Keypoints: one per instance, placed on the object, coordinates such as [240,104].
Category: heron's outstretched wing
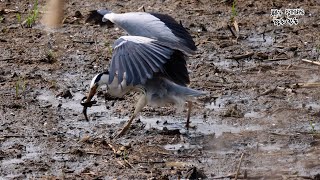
[137,58]
[176,69]
[156,26]
[177,29]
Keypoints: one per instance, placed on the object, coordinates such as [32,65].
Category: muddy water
[260,41]
[47,137]
[100,115]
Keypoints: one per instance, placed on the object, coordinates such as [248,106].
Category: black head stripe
[98,78]
[100,75]
[106,72]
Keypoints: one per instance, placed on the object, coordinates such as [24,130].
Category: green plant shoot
[233,10]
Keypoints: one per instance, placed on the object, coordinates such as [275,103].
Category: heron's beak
[107,22]
[92,92]
[86,101]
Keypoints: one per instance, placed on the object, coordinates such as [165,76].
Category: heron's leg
[140,104]
[189,113]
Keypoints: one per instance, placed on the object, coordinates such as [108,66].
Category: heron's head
[108,17]
[99,80]
[97,17]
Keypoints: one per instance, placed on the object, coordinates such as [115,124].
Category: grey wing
[157,26]
[178,30]
[176,69]
[137,58]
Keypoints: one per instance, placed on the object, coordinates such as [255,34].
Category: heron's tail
[179,90]
[194,92]
[180,94]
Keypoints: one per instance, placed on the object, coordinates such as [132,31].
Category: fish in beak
[86,101]
[98,80]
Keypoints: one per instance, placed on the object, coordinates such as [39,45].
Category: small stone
[78,14]
[65,94]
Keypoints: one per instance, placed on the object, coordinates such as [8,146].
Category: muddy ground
[255,107]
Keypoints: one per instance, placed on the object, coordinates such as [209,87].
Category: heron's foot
[190,127]
[187,126]
[188,115]
[122,132]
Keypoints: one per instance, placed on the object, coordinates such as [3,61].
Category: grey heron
[150,60]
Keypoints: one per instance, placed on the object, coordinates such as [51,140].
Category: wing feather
[155,55]
[151,64]
[144,67]
[139,78]
[157,26]
[139,58]
[127,70]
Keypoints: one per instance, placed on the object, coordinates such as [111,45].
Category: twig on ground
[7,59]
[295,177]
[84,42]
[231,30]
[305,85]
[124,162]
[63,152]
[281,134]
[276,59]
[142,8]
[197,10]
[236,27]
[127,163]
[312,62]
[267,92]
[96,45]
[120,163]
[149,162]
[289,66]
[113,149]
[288,90]
[239,165]
[163,153]
[94,153]
[242,56]
[300,67]
[71,152]
[89,173]
[19,136]
[85,139]
[226,176]
[7,11]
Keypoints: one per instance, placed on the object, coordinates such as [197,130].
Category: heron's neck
[104,79]
[100,79]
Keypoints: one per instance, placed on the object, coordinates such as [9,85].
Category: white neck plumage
[115,89]
[100,79]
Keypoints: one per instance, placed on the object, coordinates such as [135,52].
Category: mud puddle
[199,126]
[49,98]
[260,41]
[278,132]
[100,115]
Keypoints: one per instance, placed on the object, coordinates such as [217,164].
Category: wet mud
[263,102]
